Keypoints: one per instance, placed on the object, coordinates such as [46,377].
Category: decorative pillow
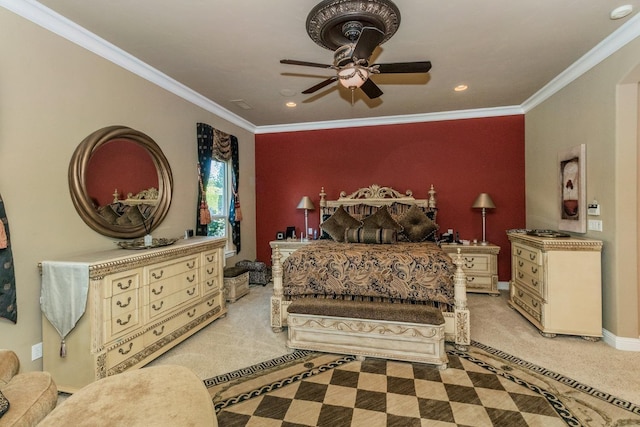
[4,404]
[381,219]
[417,225]
[337,223]
[370,235]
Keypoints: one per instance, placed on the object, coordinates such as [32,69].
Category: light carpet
[481,387]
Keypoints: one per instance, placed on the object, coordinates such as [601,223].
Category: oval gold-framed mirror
[135,196]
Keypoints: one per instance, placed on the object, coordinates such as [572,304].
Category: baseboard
[621,343]
[503,286]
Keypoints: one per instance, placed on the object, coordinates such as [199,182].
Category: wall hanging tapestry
[8,305]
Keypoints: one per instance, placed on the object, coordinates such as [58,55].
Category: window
[217,199]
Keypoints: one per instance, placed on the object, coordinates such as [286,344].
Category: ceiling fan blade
[371,89]
[320,85]
[370,38]
[405,67]
[304,63]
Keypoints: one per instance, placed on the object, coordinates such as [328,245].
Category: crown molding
[58,24]
[393,120]
[615,41]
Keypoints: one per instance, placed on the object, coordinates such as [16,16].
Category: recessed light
[460,88]
[621,12]
[291,104]
[287,92]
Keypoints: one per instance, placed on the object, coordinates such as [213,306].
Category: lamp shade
[306,203]
[483,201]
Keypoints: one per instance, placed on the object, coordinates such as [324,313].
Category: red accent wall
[461,158]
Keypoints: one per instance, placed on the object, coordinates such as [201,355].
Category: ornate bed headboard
[366,200]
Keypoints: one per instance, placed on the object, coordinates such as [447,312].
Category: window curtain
[8,305]
[218,145]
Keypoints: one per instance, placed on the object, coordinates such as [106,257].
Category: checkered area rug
[480,388]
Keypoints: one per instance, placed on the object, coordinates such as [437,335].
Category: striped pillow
[370,235]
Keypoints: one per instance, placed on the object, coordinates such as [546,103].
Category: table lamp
[307,205]
[484,202]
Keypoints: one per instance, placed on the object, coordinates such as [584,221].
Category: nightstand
[286,247]
[480,265]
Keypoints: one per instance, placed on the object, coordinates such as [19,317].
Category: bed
[376,246]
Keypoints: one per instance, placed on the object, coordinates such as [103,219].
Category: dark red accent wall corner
[461,158]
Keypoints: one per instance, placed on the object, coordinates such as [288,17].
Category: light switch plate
[595,225]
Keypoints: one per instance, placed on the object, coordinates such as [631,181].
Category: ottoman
[259,273]
[159,396]
[236,283]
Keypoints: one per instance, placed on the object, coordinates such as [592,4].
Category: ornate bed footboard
[457,323]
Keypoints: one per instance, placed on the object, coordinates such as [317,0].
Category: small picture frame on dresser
[280,235]
[290,233]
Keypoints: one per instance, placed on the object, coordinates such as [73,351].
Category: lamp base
[483,243]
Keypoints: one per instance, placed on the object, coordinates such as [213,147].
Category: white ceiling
[504,50]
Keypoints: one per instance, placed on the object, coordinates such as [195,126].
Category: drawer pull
[190,280]
[469,259]
[534,303]
[520,294]
[158,332]
[519,251]
[192,313]
[520,263]
[469,265]
[156,308]
[123,305]
[157,276]
[125,287]
[534,270]
[470,279]
[520,274]
[534,283]
[211,271]
[532,257]
[190,265]
[211,283]
[210,258]
[123,351]
[157,291]
[124,322]
[211,303]
[190,292]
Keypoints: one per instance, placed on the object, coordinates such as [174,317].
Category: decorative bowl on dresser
[480,266]
[139,305]
[556,284]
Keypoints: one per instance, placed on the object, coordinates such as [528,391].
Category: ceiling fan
[353,29]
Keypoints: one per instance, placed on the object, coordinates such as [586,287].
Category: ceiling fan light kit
[353,29]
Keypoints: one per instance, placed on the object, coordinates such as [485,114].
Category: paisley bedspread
[406,272]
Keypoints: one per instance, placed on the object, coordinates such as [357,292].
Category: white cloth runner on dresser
[63,299]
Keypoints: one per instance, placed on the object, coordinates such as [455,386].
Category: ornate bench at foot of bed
[390,331]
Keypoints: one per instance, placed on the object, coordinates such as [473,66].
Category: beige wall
[54,93]
[599,111]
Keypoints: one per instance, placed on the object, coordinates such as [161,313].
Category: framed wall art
[573,187]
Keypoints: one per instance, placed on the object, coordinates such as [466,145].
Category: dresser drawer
[211,284]
[124,322]
[172,268]
[163,288]
[172,301]
[115,284]
[531,304]
[477,263]
[123,352]
[121,303]
[528,254]
[211,264]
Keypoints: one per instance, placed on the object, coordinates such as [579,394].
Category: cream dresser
[480,266]
[140,303]
[556,284]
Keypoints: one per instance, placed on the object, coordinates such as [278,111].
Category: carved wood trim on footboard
[457,324]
